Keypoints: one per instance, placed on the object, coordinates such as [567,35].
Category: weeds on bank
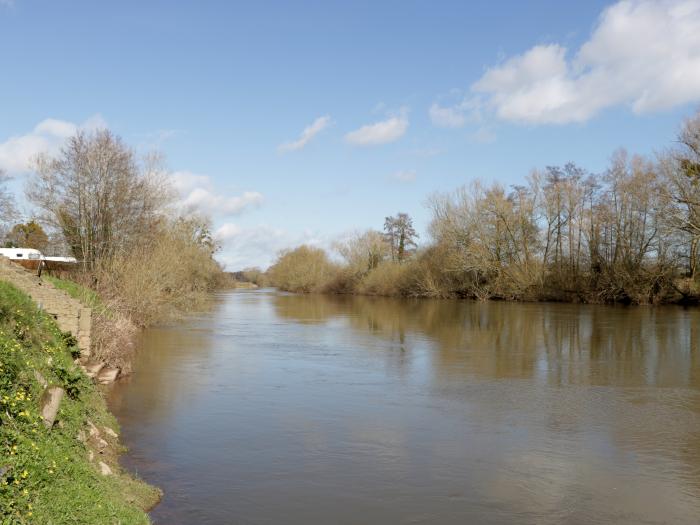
[77,291]
[45,474]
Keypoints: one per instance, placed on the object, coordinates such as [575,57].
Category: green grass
[85,295]
[45,475]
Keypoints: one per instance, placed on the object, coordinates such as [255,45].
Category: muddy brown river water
[288,409]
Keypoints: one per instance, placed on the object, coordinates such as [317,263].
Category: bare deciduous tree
[363,251]
[98,195]
[629,234]
[8,211]
[681,170]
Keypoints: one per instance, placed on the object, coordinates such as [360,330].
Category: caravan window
[19,255]
[34,256]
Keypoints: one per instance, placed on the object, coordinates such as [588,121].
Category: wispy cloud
[642,54]
[204,200]
[198,195]
[309,133]
[382,132]
[404,176]
[483,135]
[427,152]
[457,112]
[17,152]
[446,117]
[156,139]
[244,246]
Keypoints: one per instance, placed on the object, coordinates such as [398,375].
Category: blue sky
[401,99]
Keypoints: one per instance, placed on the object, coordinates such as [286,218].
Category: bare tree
[363,251]
[680,168]
[97,195]
[8,211]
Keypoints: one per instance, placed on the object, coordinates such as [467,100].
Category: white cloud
[427,152]
[643,54]
[227,232]
[94,123]
[186,181]
[17,153]
[483,135]
[381,132]
[205,201]
[404,176]
[446,117]
[457,114]
[309,133]
[258,245]
[198,195]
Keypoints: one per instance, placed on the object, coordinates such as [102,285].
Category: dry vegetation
[631,234]
[116,215]
[305,269]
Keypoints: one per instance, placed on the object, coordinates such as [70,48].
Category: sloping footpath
[70,314]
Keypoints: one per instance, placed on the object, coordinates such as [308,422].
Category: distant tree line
[630,234]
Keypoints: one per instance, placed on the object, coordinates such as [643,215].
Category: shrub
[304,269]
[169,272]
[388,278]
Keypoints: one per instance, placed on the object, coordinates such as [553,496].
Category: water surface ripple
[276,408]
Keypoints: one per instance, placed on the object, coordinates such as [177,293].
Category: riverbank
[428,274]
[629,234]
[60,444]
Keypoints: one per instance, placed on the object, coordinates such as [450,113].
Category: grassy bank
[85,295]
[47,475]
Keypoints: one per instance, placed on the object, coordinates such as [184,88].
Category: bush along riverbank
[59,443]
[628,235]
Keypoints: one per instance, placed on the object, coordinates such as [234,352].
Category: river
[277,408]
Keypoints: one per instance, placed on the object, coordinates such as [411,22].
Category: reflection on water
[280,408]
